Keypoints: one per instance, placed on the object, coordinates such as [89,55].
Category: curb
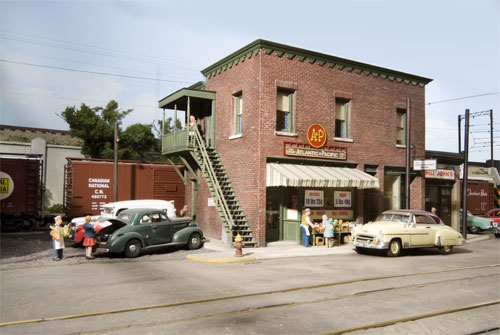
[478,239]
[221,260]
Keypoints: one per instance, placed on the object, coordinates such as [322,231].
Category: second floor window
[401,126]
[238,113]
[341,118]
[284,111]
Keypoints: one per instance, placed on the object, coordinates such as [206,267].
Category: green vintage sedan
[395,230]
[135,230]
[477,224]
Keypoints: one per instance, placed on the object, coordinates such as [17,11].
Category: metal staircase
[221,190]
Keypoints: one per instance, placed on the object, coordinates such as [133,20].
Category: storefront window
[338,204]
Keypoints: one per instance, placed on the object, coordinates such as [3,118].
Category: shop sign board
[327,152]
[424,164]
[440,174]
[316,135]
[342,199]
[481,173]
[314,198]
[211,202]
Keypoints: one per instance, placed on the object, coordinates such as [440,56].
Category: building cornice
[312,57]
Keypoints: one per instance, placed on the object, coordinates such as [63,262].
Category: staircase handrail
[210,170]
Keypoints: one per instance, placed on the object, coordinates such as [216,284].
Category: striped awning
[296,175]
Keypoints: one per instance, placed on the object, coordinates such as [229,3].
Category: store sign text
[426,164]
[440,174]
[314,198]
[335,153]
[316,136]
[342,198]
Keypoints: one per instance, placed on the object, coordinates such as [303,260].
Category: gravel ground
[29,249]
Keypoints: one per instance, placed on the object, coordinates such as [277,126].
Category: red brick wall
[372,124]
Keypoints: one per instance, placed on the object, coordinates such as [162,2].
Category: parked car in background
[395,230]
[493,215]
[477,224]
[135,230]
[113,209]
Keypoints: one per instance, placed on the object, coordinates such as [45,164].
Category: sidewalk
[222,253]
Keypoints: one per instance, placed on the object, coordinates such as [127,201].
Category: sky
[55,54]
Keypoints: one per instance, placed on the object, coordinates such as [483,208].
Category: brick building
[258,153]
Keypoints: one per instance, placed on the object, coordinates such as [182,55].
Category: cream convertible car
[396,229]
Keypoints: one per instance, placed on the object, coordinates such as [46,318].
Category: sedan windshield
[125,216]
[402,218]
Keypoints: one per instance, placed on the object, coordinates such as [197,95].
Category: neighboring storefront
[444,188]
[293,128]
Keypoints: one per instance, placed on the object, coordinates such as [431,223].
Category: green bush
[55,208]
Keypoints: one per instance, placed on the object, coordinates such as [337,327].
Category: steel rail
[304,303]
[213,299]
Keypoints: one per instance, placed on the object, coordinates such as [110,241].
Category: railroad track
[282,302]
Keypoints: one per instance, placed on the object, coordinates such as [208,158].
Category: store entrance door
[282,214]
[273,214]
[439,196]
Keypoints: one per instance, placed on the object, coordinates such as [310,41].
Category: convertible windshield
[394,217]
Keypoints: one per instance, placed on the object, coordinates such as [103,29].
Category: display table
[340,234]
[317,239]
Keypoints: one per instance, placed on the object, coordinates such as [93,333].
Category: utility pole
[460,133]
[408,148]
[491,136]
[115,164]
[465,174]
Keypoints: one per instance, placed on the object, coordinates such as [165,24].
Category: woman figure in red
[88,238]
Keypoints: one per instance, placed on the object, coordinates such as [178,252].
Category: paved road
[414,294]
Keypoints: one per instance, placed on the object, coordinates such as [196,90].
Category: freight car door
[161,229]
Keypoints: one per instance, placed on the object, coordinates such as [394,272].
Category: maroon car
[493,215]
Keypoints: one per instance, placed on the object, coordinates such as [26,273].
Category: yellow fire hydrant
[238,245]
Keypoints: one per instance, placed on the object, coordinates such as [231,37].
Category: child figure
[88,238]
[56,232]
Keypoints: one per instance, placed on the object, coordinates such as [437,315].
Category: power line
[84,48]
[94,72]
[461,98]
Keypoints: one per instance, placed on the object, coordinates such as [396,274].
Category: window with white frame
[238,113]
[342,118]
[284,110]
[400,126]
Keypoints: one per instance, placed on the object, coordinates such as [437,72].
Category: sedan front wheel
[194,241]
[446,250]
[394,248]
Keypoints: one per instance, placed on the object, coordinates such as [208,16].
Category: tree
[136,141]
[95,126]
